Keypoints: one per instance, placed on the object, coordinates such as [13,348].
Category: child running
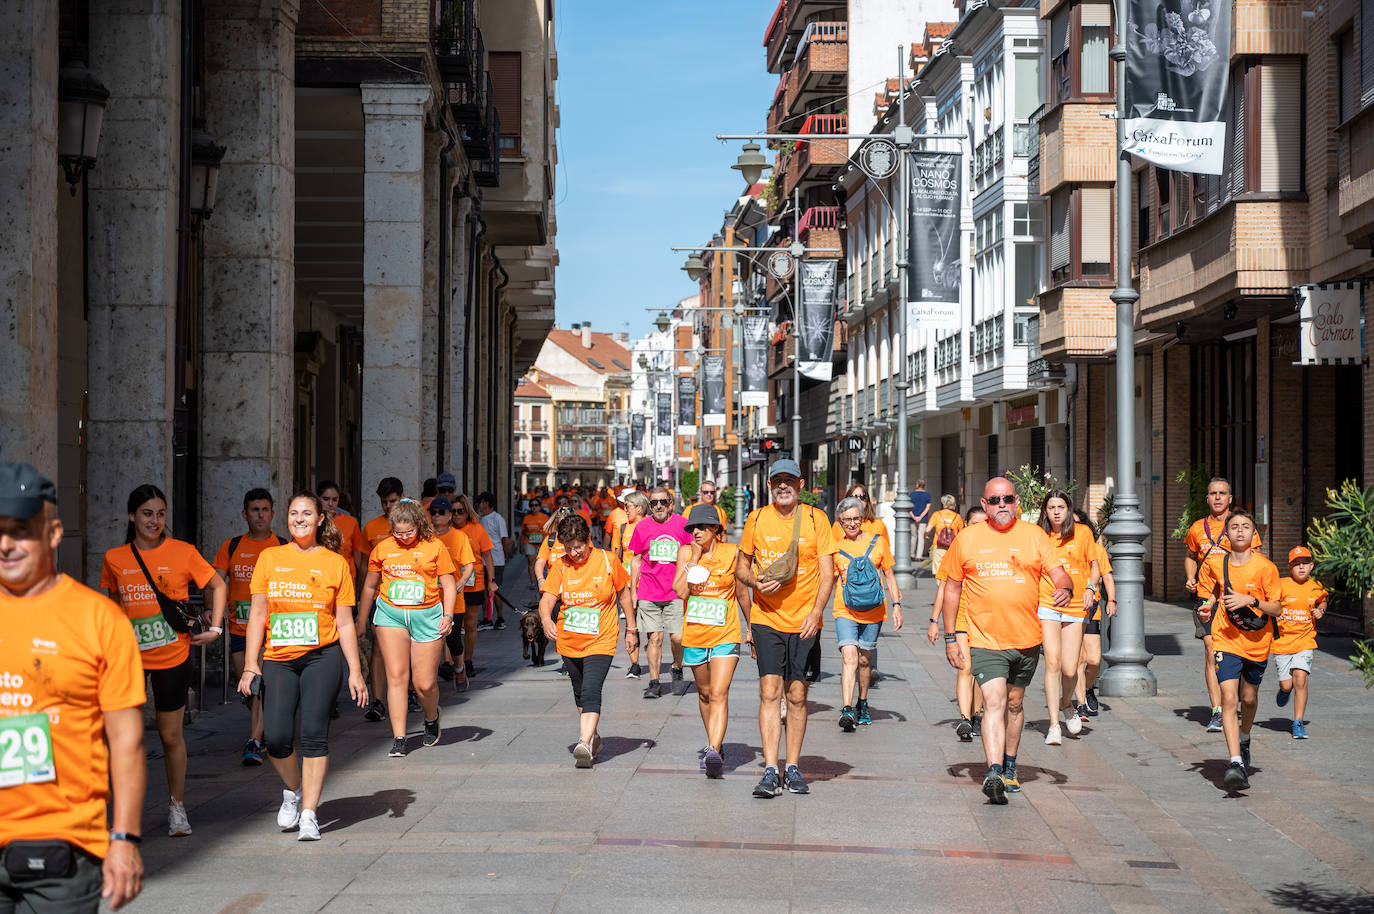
[1304,602]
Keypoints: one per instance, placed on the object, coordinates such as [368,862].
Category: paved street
[1127,818]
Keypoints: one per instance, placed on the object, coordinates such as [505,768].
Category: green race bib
[663,550]
[582,620]
[535,538]
[404,592]
[153,631]
[241,610]
[25,750]
[294,629]
[707,610]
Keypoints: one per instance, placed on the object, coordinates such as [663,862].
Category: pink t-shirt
[656,545]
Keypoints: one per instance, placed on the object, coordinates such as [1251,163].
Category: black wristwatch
[126,836]
[1254,603]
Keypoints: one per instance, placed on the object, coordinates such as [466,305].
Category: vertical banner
[622,444]
[816,317]
[665,414]
[713,390]
[934,269]
[637,433]
[1176,67]
[1330,319]
[686,404]
[755,362]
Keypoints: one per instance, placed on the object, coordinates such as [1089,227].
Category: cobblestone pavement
[1129,817]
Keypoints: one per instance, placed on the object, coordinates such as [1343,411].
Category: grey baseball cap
[784,467]
[23,490]
[703,516]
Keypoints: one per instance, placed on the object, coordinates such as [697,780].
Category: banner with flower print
[1177,60]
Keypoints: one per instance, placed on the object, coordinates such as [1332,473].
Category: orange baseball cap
[1298,553]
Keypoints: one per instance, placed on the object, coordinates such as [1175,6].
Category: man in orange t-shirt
[73,689]
[1000,563]
[1304,602]
[786,616]
[1239,584]
[390,491]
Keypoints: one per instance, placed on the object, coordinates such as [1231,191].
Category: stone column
[393,266]
[132,249]
[247,319]
[28,247]
[456,422]
[429,359]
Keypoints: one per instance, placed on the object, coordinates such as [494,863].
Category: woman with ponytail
[551,548]
[303,601]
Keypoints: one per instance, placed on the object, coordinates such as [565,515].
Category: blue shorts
[696,656]
[1234,666]
[238,644]
[863,635]
[420,622]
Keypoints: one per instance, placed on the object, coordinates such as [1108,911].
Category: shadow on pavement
[880,714]
[740,755]
[613,746]
[463,734]
[820,768]
[1212,770]
[969,771]
[1276,724]
[342,812]
[1303,896]
[1199,716]
[1164,645]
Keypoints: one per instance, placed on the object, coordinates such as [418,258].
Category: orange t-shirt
[961,617]
[1076,556]
[239,570]
[607,507]
[1000,571]
[376,530]
[68,656]
[353,539]
[1206,536]
[481,543]
[549,553]
[586,515]
[720,512]
[846,550]
[941,519]
[711,611]
[1104,561]
[173,565]
[532,527]
[423,562]
[620,539]
[1298,627]
[588,622]
[766,537]
[304,591]
[1260,579]
[615,519]
[459,548]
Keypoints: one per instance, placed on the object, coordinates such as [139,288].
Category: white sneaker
[1072,723]
[178,826]
[1053,737]
[310,826]
[290,812]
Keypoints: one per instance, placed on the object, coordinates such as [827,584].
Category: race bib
[535,538]
[663,550]
[153,631]
[405,592]
[471,579]
[25,750]
[707,610]
[241,610]
[294,630]
[582,620]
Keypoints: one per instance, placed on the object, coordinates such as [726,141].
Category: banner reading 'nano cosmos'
[622,443]
[665,414]
[935,269]
[816,327]
[755,354]
[713,390]
[637,433]
[686,404]
[1177,55]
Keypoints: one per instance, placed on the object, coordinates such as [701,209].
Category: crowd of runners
[378,614]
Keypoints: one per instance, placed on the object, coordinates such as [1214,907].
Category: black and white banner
[713,390]
[816,318]
[755,356]
[637,433]
[1330,320]
[622,443]
[1177,56]
[665,414]
[935,269]
[686,404]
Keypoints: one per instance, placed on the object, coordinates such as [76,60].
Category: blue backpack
[863,589]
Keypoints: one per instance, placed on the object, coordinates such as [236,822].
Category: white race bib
[405,592]
[707,611]
[153,631]
[25,750]
[663,550]
[582,620]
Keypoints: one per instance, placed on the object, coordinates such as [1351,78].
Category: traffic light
[771,445]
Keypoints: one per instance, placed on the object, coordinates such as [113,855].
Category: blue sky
[643,89]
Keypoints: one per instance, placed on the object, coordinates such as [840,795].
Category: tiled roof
[601,357]
[530,389]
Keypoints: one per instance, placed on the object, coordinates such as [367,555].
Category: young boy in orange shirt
[1304,602]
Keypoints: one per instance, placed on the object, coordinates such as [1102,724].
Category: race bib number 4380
[294,629]
[25,750]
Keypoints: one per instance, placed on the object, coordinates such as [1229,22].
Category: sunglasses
[447,489]
[1001,500]
[861,496]
[434,513]
[708,491]
[659,501]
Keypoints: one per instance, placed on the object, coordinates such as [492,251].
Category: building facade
[588,377]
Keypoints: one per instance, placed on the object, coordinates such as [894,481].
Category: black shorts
[474,599]
[1201,629]
[169,686]
[782,653]
[1094,624]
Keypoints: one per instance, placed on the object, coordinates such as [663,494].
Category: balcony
[822,68]
[486,164]
[780,38]
[820,228]
[818,162]
[987,158]
[454,35]
[777,111]
[1078,145]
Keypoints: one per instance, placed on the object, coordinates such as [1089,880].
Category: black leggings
[587,675]
[310,683]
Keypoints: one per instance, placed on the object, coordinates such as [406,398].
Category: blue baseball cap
[23,490]
[447,480]
[784,467]
[440,503]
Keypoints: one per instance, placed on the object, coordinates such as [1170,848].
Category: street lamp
[751,164]
[205,161]
[80,110]
[662,322]
[694,267]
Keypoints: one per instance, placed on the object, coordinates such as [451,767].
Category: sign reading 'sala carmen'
[1330,322]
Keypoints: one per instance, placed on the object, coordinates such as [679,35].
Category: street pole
[739,427]
[796,330]
[1128,673]
[901,505]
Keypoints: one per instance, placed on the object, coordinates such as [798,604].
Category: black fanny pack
[180,614]
[1245,618]
[34,859]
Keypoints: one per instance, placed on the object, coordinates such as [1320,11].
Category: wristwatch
[216,629]
[126,836]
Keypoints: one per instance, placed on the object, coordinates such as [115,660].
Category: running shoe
[1235,778]
[1245,754]
[655,690]
[847,719]
[1010,781]
[1084,715]
[290,812]
[964,730]
[679,686]
[714,764]
[701,756]
[446,671]
[1299,729]
[768,786]
[863,716]
[1214,725]
[310,826]
[596,744]
[1054,736]
[792,779]
[375,711]
[1091,701]
[499,624]
[398,748]
[484,626]
[431,736]
[178,826]
[469,668]
[995,789]
[252,753]
[413,702]
[1281,699]
[582,755]
[635,671]
[1069,718]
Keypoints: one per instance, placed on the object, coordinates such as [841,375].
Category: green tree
[1195,478]
[726,500]
[1342,544]
[691,482]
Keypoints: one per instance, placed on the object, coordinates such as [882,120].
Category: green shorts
[422,622]
[1016,666]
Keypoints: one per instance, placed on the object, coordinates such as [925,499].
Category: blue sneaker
[769,785]
[864,717]
[1299,729]
[1281,699]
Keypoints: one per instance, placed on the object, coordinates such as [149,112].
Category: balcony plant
[1031,484]
[1342,543]
[1195,479]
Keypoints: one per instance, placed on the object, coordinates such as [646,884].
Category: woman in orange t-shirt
[1061,628]
[352,544]
[303,612]
[857,628]
[551,548]
[588,583]
[166,654]
[410,578]
[481,584]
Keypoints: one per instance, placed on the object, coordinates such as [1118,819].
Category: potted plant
[1031,485]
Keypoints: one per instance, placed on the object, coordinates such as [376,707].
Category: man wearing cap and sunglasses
[707,495]
[658,609]
[73,690]
[787,555]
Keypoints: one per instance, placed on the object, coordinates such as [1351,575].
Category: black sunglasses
[861,496]
[1000,500]
[436,513]
[660,501]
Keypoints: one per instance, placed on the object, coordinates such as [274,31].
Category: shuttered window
[1280,124]
[1095,238]
[1366,52]
[1094,75]
[1345,89]
[504,67]
[1059,231]
[1236,170]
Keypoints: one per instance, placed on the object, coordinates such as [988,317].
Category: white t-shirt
[495,525]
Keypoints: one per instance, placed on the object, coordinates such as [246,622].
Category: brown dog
[532,638]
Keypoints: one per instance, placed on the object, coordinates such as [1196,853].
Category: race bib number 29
[25,750]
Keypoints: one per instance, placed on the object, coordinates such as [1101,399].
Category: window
[1059,235]
[1079,63]
[1080,234]
[1028,219]
[1095,239]
[1059,54]
[1027,86]
[1345,77]
[1095,33]
[1027,274]
[1280,124]
[1366,52]
[504,67]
